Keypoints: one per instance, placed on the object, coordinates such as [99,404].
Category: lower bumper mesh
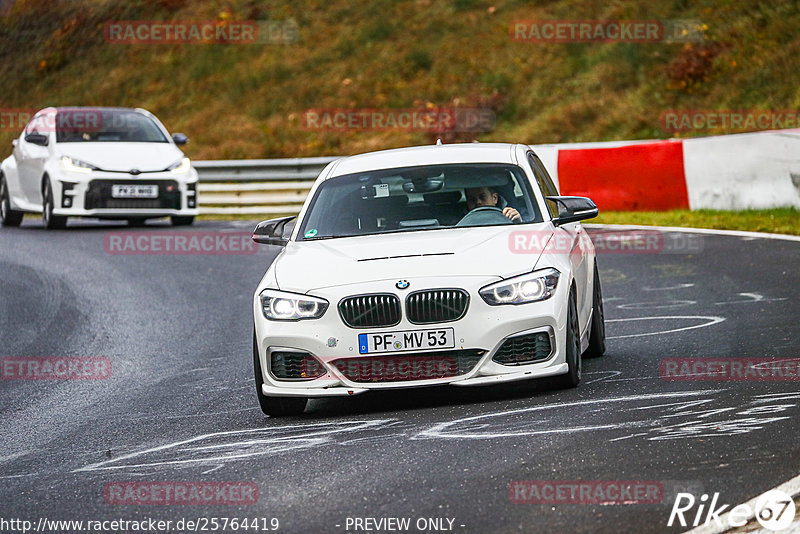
[98,196]
[409,367]
[525,349]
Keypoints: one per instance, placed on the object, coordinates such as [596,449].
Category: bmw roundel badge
[402,284]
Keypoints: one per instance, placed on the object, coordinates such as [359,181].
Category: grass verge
[779,220]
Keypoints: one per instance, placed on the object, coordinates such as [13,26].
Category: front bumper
[91,196]
[483,328]
[344,390]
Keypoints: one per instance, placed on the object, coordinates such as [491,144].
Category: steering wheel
[484,216]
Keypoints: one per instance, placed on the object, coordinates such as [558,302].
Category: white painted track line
[709,231]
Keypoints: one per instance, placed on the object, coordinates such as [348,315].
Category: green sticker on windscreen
[311,233]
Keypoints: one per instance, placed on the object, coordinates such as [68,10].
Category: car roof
[78,108]
[425,155]
[71,108]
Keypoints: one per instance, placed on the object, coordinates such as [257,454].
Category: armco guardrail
[725,172]
[256,186]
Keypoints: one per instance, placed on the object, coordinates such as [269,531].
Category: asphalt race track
[180,402]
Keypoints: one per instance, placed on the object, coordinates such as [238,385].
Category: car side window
[545,182]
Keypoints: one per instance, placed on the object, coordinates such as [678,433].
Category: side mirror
[180,139]
[271,232]
[37,139]
[573,209]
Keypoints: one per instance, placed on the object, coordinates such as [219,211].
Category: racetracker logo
[179,243]
[741,120]
[586,492]
[15,119]
[730,369]
[180,493]
[201,32]
[605,242]
[607,31]
[56,368]
[411,119]
[384,369]
[65,121]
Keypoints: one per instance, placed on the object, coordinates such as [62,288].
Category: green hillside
[247,100]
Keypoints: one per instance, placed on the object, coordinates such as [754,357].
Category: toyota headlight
[532,287]
[282,306]
[180,167]
[76,165]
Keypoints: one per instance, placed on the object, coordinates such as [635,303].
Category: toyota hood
[304,266]
[122,157]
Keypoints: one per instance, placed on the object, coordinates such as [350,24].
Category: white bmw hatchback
[423,266]
[108,163]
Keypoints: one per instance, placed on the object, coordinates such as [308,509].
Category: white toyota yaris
[448,264]
[108,163]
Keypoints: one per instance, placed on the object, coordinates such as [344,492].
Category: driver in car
[480,197]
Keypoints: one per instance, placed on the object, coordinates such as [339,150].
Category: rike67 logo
[774,510]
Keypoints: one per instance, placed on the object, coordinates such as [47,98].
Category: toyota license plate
[134,191]
[404,340]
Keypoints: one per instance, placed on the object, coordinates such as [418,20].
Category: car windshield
[94,125]
[420,198]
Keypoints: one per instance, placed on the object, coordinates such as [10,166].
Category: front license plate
[378,343]
[134,191]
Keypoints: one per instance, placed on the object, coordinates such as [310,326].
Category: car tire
[51,222]
[274,406]
[8,217]
[573,348]
[182,220]
[597,334]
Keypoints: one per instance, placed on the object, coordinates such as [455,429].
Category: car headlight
[532,287]
[282,306]
[180,167]
[76,165]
